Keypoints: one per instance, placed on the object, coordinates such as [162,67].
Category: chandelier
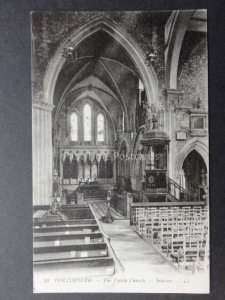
[69,52]
[151,55]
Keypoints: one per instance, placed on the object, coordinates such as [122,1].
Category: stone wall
[193,79]
[51,29]
[193,84]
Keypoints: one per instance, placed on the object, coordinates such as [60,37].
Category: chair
[175,248]
[191,252]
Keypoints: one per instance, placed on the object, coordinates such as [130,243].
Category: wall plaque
[181,136]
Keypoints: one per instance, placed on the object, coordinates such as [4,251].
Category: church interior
[120,142]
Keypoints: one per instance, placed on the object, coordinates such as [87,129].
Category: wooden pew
[75,263]
[64,223]
[67,239]
[72,243]
[72,251]
[67,229]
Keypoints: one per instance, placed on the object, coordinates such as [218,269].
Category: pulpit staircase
[176,192]
[172,192]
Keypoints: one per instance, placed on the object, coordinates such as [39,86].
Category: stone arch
[56,63]
[194,144]
[177,27]
[195,50]
[89,95]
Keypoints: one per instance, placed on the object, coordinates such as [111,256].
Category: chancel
[120,144]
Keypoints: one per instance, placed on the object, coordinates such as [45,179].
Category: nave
[120,147]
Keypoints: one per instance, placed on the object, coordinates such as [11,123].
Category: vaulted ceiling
[103,66]
[106,72]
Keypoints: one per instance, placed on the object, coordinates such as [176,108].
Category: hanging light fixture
[69,52]
[151,55]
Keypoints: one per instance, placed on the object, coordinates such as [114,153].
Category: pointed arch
[194,144]
[175,30]
[77,36]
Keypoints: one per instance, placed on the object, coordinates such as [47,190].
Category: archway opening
[107,74]
[194,172]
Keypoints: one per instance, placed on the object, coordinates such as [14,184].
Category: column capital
[42,105]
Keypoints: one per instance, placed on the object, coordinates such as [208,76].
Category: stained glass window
[100,128]
[87,122]
[74,127]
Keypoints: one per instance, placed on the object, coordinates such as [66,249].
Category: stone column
[42,153]
[61,164]
[172,103]
[114,167]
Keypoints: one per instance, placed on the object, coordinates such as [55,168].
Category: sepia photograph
[120,155]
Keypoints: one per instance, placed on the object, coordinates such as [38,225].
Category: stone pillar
[114,168]
[129,202]
[61,164]
[172,103]
[42,153]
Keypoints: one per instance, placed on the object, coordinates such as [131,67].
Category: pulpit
[155,149]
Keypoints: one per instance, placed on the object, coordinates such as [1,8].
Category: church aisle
[100,209]
[136,255]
